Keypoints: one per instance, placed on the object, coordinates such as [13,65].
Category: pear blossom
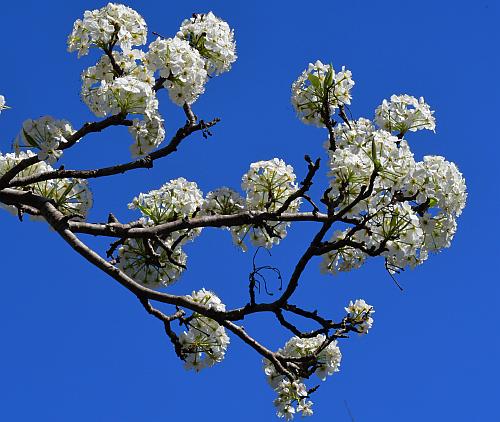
[45,134]
[114,24]
[319,90]
[72,197]
[180,65]
[290,394]
[205,342]
[155,267]
[405,113]
[267,184]
[213,38]
[359,314]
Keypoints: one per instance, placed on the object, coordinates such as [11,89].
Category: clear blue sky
[78,347]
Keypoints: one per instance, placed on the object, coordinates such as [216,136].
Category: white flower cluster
[413,206]
[267,184]
[105,93]
[148,134]
[359,313]
[175,200]
[163,262]
[213,38]
[114,24]
[319,91]
[125,94]
[72,197]
[182,67]
[223,201]
[295,393]
[46,134]
[205,343]
[155,267]
[404,113]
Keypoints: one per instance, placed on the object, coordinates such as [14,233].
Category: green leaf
[29,139]
[328,78]
[432,202]
[315,81]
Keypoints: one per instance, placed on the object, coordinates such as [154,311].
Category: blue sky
[78,347]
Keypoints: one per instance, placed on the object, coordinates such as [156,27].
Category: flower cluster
[410,207]
[205,343]
[223,201]
[267,184]
[319,91]
[114,24]
[152,266]
[359,314]
[326,358]
[45,134]
[181,66]
[72,197]
[160,262]
[105,93]
[148,134]
[213,38]
[125,94]
[404,113]
[175,200]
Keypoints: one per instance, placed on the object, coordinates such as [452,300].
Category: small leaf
[29,139]
[315,82]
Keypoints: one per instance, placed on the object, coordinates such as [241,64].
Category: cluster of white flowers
[114,24]
[397,222]
[148,134]
[327,359]
[205,343]
[154,267]
[267,184]
[175,200]
[319,90]
[213,38]
[404,113]
[182,67]
[105,93]
[125,94]
[360,150]
[46,134]
[72,197]
[159,265]
[223,201]
[359,313]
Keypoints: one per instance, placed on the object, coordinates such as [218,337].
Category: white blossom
[125,94]
[359,314]
[154,267]
[290,394]
[175,200]
[404,113]
[114,24]
[71,197]
[319,90]
[213,38]
[223,201]
[45,134]
[181,66]
[147,133]
[205,342]
[267,184]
